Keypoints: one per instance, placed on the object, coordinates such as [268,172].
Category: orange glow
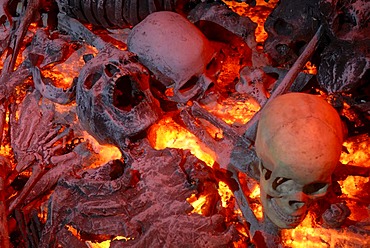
[310,68]
[309,235]
[167,133]
[106,243]
[358,151]
[256,207]
[225,193]
[106,152]
[63,74]
[257,14]
[235,111]
[352,186]
[197,203]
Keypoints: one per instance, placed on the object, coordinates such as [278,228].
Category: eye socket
[279,181]
[266,173]
[315,188]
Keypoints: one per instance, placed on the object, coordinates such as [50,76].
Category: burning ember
[131,124]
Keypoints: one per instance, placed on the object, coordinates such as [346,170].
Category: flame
[358,151]
[197,203]
[63,74]
[310,68]
[106,152]
[235,111]
[310,234]
[257,14]
[167,133]
[225,193]
[307,234]
[106,243]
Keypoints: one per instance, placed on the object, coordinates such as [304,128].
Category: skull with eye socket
[299,141]
[113,98]
[175,51]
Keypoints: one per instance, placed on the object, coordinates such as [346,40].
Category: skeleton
[113,98]
[124,199]
[39,138]
[175,51]
[123,13]
[299,141]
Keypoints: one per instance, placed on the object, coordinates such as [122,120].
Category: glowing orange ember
[235,111]
[167,133]
[106,152]
[225,193]
[63,74]
[197,203]
[257,14]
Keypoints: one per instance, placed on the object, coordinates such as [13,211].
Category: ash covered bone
[114,14]
[113,98]
[35,134]
[147,204]
[335,216]
[347,20]
[290,26]
[299,141]
[39,138]
[343,67]
[175,51]
[216,13]
[345,61]
[48,90]
[52,50]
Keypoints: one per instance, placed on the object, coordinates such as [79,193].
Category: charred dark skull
[114,101]
[290,26]
[347,19]
[345,62]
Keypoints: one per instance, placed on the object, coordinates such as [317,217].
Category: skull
[299,141]
[347,19]
[175,51]
[113,98]
[290,26]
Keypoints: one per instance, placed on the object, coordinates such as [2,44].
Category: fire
[106,152]
[257,14]
[358,151]
[106,243]
[310,68]
[63,74]
[197,203]
[167,133]
[225,193]
[235,111]
[309,233]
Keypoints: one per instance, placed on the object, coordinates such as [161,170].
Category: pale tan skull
[299,141]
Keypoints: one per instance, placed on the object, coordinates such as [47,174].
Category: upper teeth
[283,216]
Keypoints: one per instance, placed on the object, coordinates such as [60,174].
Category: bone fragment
[37,173]
[4,233]
[251,127]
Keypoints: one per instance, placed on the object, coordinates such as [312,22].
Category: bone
[80,33]
[250,128]
[4,233]
[17,37]
[37,173]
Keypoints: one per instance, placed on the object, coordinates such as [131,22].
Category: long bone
[245,135]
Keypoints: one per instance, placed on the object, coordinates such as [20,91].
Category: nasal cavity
[296,204]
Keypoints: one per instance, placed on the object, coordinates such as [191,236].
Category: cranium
[175,51]
[113,98]
[290,26]
[299,141]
